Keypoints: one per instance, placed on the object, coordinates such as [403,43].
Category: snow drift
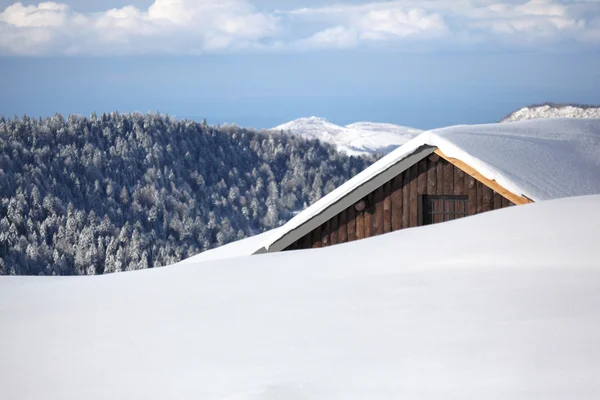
[503,305]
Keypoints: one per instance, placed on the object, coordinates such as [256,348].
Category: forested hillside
[131,191]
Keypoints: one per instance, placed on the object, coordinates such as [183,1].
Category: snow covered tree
[128,191]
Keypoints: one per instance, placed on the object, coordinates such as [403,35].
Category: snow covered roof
[539,159]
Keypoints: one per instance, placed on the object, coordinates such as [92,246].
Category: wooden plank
[342,228]
[440,176]
[360,225]
[479,202]
[406,199]
[421,189]
[377,219]
[325,239]
[333,232]
[448,182]
[307,241]
[434,158]
[422,178]
[387,207]
[459,189]
[397,203]
[497,201]
[316,238]
[488,199]
[414,173]
[459,181]
[515,198]
[471,189]
[368,216]
[444,205]
[432,175]
[351,223]
[432,162]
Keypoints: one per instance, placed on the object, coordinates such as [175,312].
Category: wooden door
[441,208]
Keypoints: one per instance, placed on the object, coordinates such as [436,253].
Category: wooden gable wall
[395,205]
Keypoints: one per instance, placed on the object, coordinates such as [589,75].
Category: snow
[548,111]
[356,139]
[503,305]
[240,248]
[540,159]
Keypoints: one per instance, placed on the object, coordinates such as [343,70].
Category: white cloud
[46,14]
[397,22]
[336,37]
[198,26]
[530,20]
[356,24]
[541,7]
[172,26]
[458,21]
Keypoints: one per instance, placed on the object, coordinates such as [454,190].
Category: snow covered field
[503,305]
[360,138]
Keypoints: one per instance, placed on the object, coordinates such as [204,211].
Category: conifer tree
[116,192]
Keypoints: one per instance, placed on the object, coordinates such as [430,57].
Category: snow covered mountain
[360,138]
[553,111]
[503,306]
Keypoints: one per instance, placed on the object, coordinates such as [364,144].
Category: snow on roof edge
[348,198]
[485,169]
[368,174]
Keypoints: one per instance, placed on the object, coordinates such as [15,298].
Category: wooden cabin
[435,189]
[451,173]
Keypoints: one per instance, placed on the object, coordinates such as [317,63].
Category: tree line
[116,192]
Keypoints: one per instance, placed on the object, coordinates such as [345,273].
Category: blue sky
[263,62]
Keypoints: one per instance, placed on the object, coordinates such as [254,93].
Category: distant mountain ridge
[553,110]
[358,139]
